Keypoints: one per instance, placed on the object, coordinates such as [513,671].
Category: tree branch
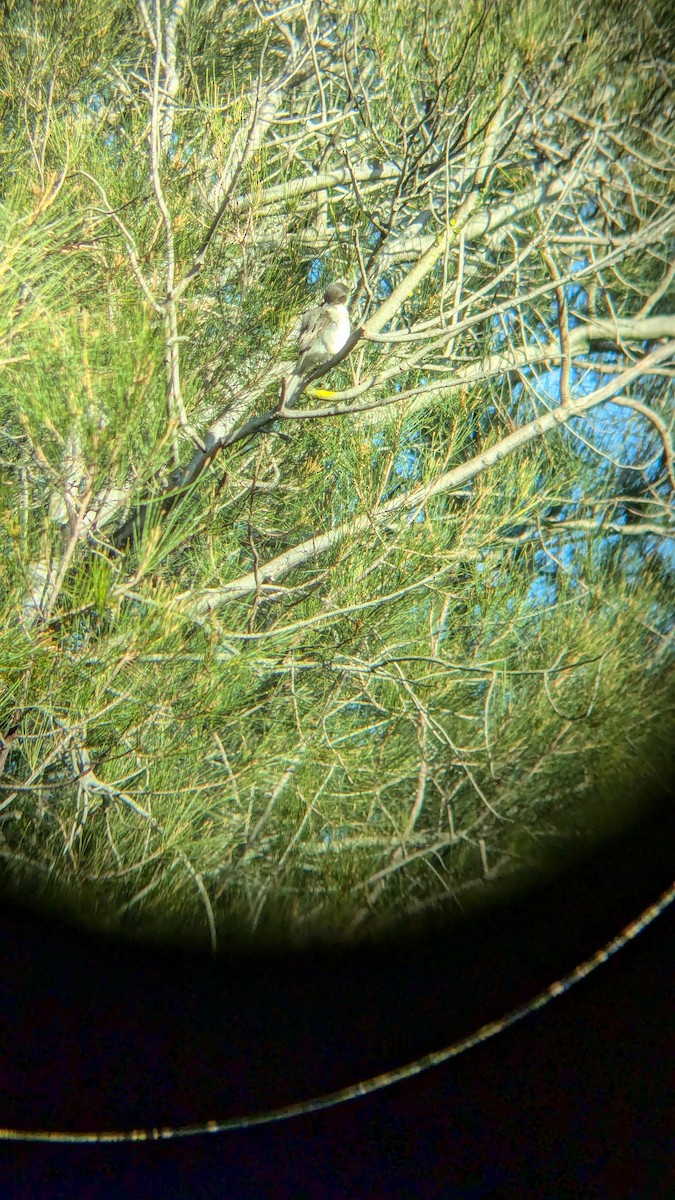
[268,574]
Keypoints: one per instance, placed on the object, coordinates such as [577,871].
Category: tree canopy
[291,670]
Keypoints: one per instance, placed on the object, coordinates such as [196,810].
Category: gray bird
[324,330]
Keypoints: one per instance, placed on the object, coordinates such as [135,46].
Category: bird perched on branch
[324,330]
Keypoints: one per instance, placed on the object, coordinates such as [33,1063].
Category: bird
[324,331]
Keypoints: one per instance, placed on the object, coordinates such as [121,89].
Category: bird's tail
[291,389]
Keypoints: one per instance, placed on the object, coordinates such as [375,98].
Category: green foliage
[453,686]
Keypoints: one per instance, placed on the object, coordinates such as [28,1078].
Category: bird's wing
[308,329]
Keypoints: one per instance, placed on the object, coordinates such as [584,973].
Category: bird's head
[336,293]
